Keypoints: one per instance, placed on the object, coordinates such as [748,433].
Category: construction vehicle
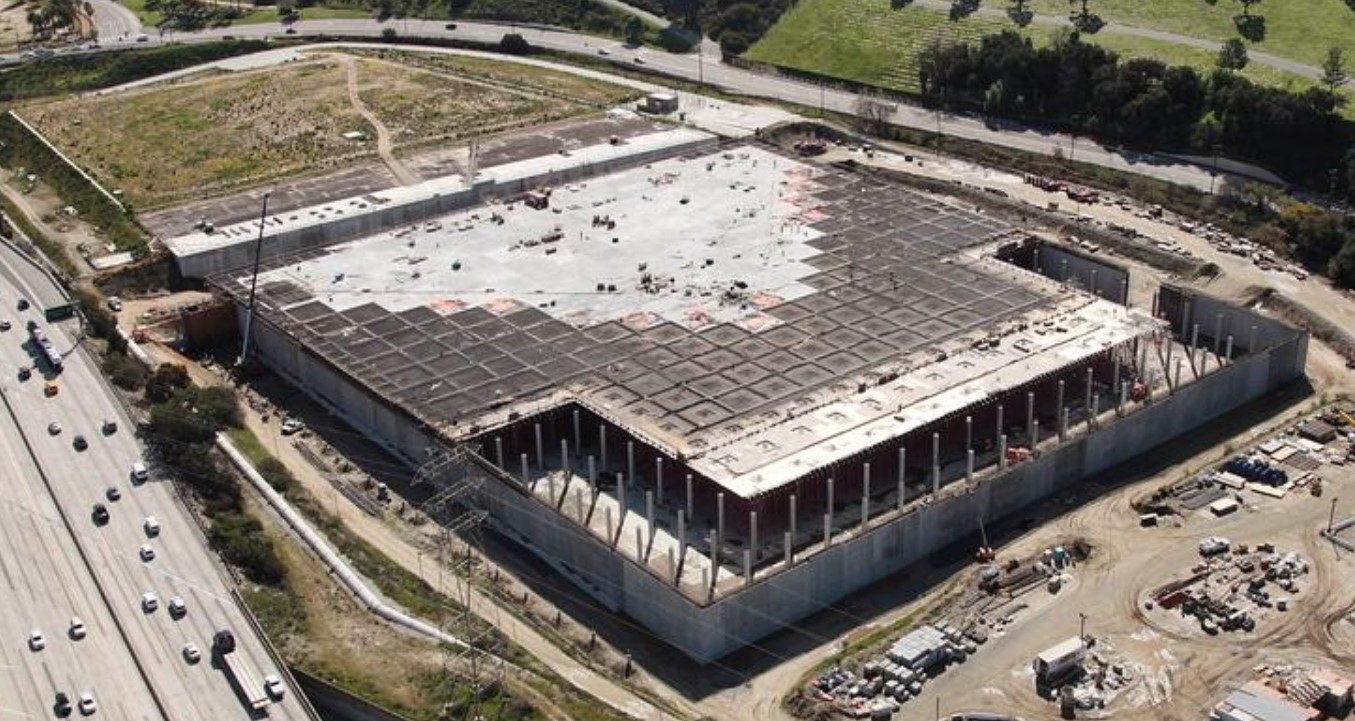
[1346,417]
[249,688]
[811,146]
[1017,454]
[1138,391]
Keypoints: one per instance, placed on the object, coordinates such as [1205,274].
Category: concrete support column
[752,534]
[1002,452]
[1218,333]
[830,496]
[999,430]
[1177,384]
[689,494]
[1091,380]
[630,461]
[578,508]
[602,446]
[1091,283]
[865,494]
[1143,361]
[1124,291]
[1030,416]
[622,488]
[1034,436]
[1059,403]
[720,520]
[969,466]
[1194,344]
[1063,424]
[936,462]
[498,453]
[1228,354]
[673,564]
[1124,395]
[682,534]
[564,457]
[1063,271]
[827,530]
[640,545]
[1095,411]
[611,526]
[747,567]
[1115,376]
[903,470]
[649,509]
[526,478]
[1251,340]
[715,554]
[1036,261]
[789,547]
[968,431]
[578,434]
[592,474]
[540,449]
[658,478]
[793,513]
[550,488]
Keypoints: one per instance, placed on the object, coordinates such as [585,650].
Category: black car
[62,707]
[100,514]
[113,494]
[110,427]
[25,373]
[80,443]
[23,304]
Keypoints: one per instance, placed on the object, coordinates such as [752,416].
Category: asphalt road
[701,67]
[183,566]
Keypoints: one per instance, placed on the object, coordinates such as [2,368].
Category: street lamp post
[1082,626]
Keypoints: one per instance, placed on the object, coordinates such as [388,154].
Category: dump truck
[249,688]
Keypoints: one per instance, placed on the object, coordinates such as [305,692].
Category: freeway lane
[183,565]
[43,584]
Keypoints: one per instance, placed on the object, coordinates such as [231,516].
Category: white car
[1214,545]
[273,685]
[149,602]
[177,608]
[152,526]
[139,472]
[36,641]
[292,425]
[114,303]
[54,428]
[87,705]
[77,628]
[147,553]
[191,653]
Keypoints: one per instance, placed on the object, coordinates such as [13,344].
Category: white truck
[1060,661]
[249,688]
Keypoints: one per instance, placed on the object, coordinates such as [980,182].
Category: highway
[183,566]
[703,67]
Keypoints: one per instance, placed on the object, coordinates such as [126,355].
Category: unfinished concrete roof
[730,307]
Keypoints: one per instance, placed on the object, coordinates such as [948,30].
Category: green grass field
[256,16]
[870,42]
[1300,30]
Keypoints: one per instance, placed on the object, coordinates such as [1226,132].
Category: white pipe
[332,559]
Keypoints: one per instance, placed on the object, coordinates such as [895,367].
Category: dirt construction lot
[206,136]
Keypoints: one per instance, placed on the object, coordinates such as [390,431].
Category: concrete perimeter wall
[709,631]
[340,228]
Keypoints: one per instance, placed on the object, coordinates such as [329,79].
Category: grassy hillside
[871,42]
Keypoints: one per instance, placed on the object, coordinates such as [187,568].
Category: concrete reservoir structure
[720,388]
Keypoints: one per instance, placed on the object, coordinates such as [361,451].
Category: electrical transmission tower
[452,508]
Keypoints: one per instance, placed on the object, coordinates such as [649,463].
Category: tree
[514,44]
[1246,6]
[167,378]
[1334,70]
[1233,55]
[635,31]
